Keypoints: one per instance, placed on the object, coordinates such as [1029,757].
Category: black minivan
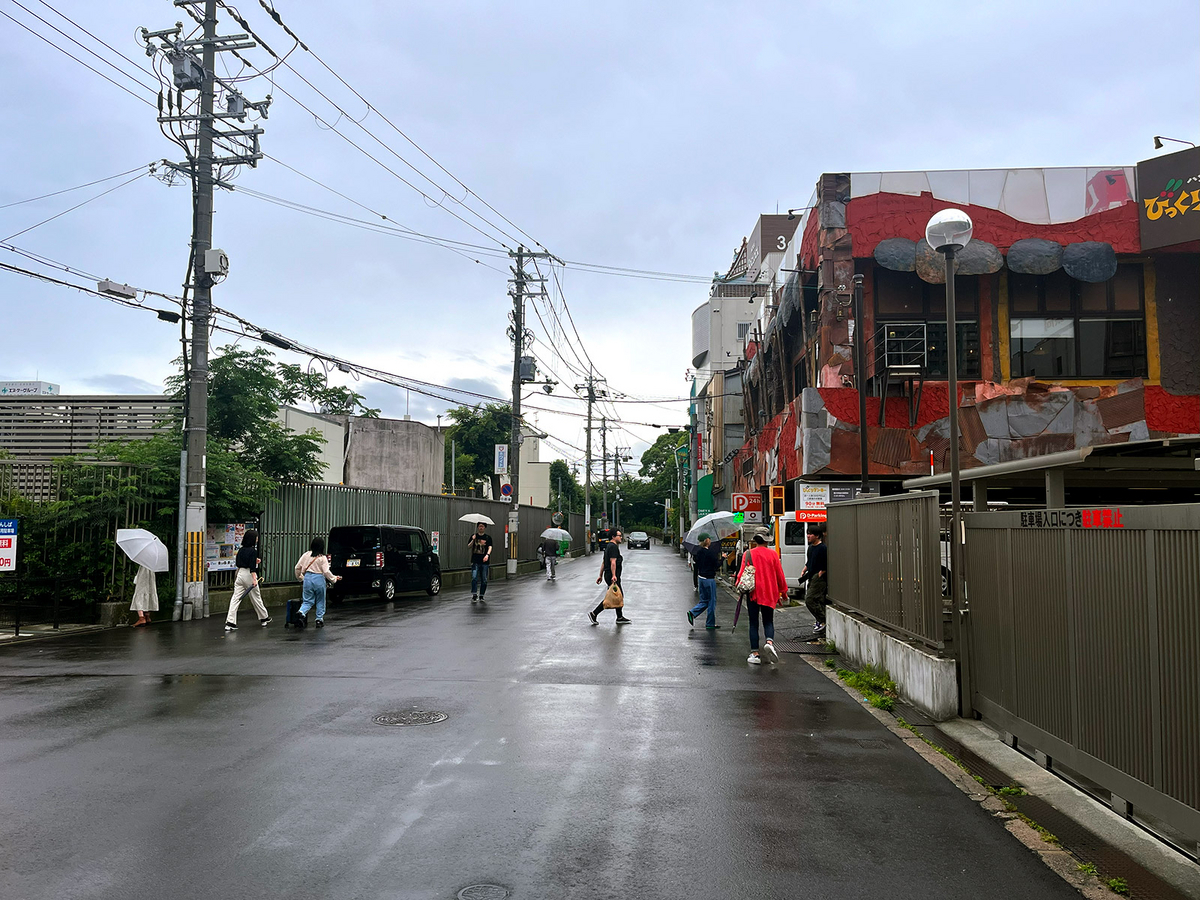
[389,559]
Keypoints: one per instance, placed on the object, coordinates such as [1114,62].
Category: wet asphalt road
[576,762]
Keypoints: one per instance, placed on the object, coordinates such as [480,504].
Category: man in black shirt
[610,571]
[246,582]
[816,595]
[481,552]
[708,562]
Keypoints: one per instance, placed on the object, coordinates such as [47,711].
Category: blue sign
[8,526]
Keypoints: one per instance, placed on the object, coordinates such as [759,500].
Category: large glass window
[903,298]
[1062,328]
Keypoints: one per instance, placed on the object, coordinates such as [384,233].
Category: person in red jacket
[770,585]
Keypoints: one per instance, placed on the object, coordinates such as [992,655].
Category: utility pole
[590,385]
[520,339]
[604,463]
[192,73]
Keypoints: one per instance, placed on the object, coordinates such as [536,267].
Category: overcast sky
[639,135]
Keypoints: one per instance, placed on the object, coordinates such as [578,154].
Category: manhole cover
[483,892]
[411,717]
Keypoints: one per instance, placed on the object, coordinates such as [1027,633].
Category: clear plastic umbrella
[556,534]
[143,548]
[475,518]
[716,525]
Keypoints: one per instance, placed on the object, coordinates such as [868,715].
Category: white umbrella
[716,525]
[556,534]
[143,548]
[476,517]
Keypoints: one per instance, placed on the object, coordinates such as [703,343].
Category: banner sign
[8,545]
[501,459]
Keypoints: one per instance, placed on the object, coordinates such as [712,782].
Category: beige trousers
[242,585]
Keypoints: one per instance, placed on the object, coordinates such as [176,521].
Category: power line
[77,206]
[77,59]
[274,14]
[77,187]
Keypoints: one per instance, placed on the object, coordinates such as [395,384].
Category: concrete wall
[332,430]
[394,455]
[923,680]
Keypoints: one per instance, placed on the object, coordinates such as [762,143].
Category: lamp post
[948,232]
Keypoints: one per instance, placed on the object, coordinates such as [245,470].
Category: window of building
[1063,328]
[903,298]
[743,331]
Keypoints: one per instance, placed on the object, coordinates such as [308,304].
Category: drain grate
[800,645]
[411,717]
[483,892]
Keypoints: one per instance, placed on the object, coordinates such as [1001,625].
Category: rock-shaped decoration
[897,254]
[930,264]
[1034,256]
[979,258]
[1091,261]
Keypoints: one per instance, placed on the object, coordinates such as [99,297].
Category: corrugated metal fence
[300,512]
[884,563]
[1085,630]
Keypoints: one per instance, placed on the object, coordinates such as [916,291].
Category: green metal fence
[299,512]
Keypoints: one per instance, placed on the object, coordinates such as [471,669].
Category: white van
[793,551]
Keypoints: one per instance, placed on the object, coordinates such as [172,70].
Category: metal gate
[1085,645]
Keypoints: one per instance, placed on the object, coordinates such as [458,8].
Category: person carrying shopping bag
[770,585]
[313,569]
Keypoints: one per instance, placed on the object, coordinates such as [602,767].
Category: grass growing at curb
[874,684]
[1117,885]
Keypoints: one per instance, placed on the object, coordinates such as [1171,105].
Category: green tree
[572,492]
[658,462]
[474,435]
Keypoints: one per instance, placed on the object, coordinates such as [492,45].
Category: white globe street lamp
[948,232]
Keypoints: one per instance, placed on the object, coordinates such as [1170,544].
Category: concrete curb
[1058,860]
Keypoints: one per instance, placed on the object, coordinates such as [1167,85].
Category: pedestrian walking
[815,572]
[145,596]
[313,570]
[550,554]
[770,585]
[610,573]
[246,582]
[481,552]
[708,562]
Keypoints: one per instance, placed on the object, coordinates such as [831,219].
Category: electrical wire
[77,187]
[76,206]
[77,59]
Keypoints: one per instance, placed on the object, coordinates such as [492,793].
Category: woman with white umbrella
[150,554]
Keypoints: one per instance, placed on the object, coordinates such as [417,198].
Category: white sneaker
[754,660]
[770,652]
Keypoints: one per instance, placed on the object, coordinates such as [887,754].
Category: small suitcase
[293,613]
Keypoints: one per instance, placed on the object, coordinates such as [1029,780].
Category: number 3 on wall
[781,243]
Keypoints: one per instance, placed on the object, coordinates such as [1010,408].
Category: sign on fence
[8,545]
[435,538]
[221,547]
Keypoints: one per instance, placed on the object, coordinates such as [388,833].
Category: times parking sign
[8,545]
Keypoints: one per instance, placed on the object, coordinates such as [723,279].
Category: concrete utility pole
[590,385]
[519,337]
[604,462]
[241,145]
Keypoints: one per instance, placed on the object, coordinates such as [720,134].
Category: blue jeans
[768,618]
[314,594]
[479,576]
[708,600]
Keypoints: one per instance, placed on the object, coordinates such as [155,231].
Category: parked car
[389,559]
[638,539]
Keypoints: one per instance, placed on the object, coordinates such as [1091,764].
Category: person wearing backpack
[769,586]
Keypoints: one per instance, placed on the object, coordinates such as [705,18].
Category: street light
[948,232]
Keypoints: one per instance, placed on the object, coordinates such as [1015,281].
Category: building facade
[1073,328]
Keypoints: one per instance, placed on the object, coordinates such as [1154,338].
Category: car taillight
[379,559]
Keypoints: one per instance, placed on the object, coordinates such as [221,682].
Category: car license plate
[353,562]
